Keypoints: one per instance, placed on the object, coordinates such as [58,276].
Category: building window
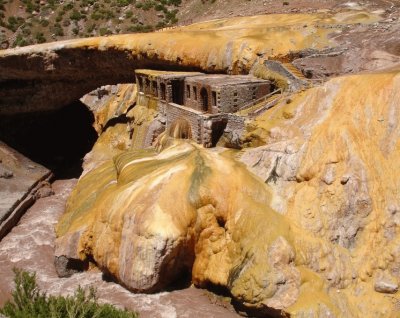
[235,94]
[187,91]
[214,98]
[194,92]
[155,88]
[147,87]
[163,95]
[140,84]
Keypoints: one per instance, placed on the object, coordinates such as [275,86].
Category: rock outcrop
[313,234]
[22,181]
[330,160]
[56,74]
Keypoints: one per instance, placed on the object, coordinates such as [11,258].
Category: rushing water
[30,245]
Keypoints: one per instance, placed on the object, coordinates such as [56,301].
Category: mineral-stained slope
[314,232]
[331,159]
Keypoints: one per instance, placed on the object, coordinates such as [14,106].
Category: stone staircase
[295,71]
[293,75]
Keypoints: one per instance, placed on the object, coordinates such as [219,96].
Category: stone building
[205,102]
[217,93]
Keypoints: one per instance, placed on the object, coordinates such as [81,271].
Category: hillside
[26,22]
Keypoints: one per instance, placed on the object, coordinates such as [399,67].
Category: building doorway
[217,128]
[177,92]
[204,99]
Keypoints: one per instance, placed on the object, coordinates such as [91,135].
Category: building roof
[153,74]
[224,80]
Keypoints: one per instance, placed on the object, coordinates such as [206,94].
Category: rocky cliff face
[313,232]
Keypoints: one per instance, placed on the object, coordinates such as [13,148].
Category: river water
[30,246]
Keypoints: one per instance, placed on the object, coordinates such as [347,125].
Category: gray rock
[5,173]
[386,284]
[66,267]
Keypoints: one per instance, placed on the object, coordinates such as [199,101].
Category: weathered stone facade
[205,102]
[223,93]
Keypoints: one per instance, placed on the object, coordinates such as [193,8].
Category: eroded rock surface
[56,74]
[21,183]
[313,233]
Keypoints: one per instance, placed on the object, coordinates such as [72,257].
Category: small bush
[68,6]
[40,38]
[29,301]
[124,3]
[128,14]
[104,31]
[57,29]
[75,15]
[20,41]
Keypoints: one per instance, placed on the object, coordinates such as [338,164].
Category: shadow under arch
[180,129]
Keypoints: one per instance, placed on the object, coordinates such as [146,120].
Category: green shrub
[128,14]
[104,31]
[29,301]
[40,38]
[14,23]
[174,2]
[90,28]
[57,29]
[20,41]
[68,6]
[147,5]
[124,3]
[75,15]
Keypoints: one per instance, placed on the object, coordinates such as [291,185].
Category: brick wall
[226,99]
[174,112]
[234,98]
[235,122]
[192,101]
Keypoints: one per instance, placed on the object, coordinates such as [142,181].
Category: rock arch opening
[56,139]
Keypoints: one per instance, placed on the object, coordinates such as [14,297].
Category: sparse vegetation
[29,301]
[57,19]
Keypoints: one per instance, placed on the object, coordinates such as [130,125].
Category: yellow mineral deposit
[339,168]
[235,42]
[313,232]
